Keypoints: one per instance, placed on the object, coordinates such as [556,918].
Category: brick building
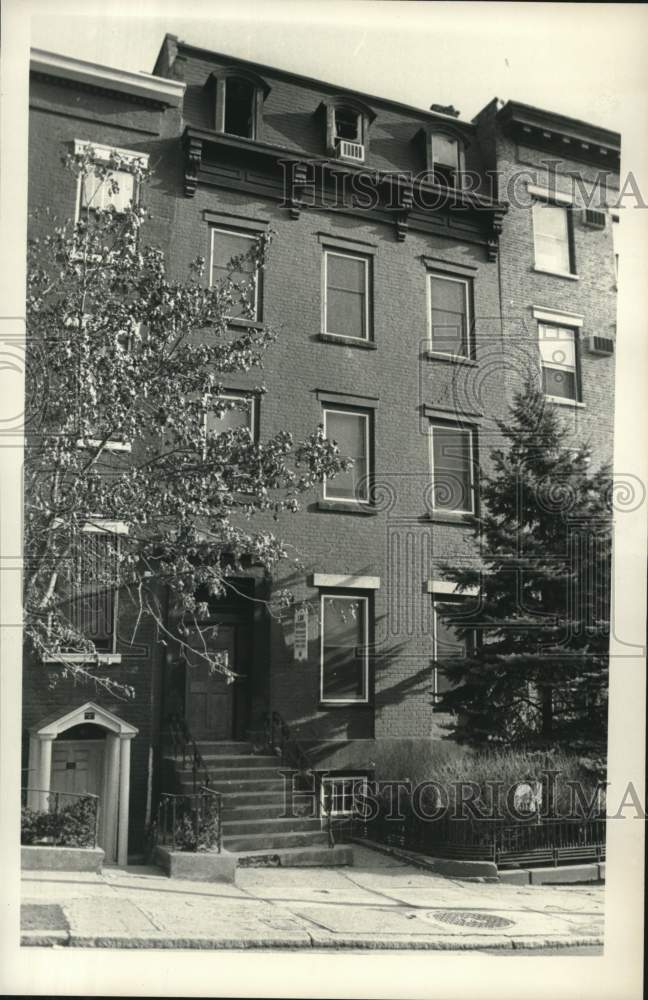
[421,266]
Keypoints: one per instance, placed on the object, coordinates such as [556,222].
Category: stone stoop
[254,827]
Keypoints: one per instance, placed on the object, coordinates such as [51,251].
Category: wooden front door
[77,766]
[209,700]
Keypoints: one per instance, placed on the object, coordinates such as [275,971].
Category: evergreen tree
[537,667]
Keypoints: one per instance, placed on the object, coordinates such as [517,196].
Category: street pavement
[381,902]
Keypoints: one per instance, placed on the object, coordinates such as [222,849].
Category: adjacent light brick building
[421,266]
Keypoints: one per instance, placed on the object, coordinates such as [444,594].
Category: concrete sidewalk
[380,903]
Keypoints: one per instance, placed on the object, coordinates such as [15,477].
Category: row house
[422,265]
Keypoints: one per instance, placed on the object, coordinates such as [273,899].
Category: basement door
[209,699]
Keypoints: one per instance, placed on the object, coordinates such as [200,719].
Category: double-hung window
[446,158]
[450,315]
[227,245]
[553,238]
[454,472]
[240,100]
[346,295]
[351,432]
[344,648]
[560,361]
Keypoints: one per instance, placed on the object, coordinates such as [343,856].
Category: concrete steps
[254,825]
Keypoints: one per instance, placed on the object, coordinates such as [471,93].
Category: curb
[313,941]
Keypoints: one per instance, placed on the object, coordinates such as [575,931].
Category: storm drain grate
[466,919]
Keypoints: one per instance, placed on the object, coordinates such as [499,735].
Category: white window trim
[360,124]
[238,396]
[576,369]
[366,417]
[252,236]
[332,779]
[556,272]
[435,618]
[365,652]
[466,282]
[551,195]
[340,580]
[553,316]
[442,511]
[461,152]
[102,155]
[351,256]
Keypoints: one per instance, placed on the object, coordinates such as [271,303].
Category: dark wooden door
[209,698]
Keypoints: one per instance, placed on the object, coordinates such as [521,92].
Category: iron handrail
[183,738]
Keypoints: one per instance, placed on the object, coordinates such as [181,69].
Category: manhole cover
[466,919]
[42,917]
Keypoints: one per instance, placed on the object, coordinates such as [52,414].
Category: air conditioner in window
[600,345]
[351,150]
[594,218]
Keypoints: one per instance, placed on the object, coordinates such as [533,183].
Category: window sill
[455,359]
[338,338]
[463,519]
[559,401]
[347,507]
[556,274]
[245,324]
[343,704]
[106,658]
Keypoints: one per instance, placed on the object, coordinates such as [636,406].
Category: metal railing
[190,822]
[59,819]
[184,746]
[549,841]
[279,739]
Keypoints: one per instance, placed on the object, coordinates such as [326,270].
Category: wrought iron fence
[533,841]
[59,819]
[190,822]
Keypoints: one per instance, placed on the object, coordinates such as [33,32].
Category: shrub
[72,825]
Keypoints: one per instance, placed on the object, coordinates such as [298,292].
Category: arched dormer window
[445,156]
[238,97]
[347,128]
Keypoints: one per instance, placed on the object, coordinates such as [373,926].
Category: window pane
[225,246]
[349,431]
[241,416]
[557,346]
[445,151]
[452,469]
[449,316]
[239,105]
[551,235]
[96,193]
[346,296]
[347,125]
[342,652]
[557,382]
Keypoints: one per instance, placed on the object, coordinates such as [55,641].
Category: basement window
[339,793]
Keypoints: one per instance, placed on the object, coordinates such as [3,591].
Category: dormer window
[238,98]
[348,125]
[347,128]
[239,107]
[445,158]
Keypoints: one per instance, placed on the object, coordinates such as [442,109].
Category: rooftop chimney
[445,109]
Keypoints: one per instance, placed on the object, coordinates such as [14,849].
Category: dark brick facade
[241,184]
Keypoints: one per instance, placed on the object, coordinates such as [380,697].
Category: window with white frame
[118,189]
[348,124]
[342,794]
[559,360]
[228,245]
[346,295]
[344,648]
[552,237]
[450,319]
[453,468]
[350,430]
[448,644]
[230,412]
